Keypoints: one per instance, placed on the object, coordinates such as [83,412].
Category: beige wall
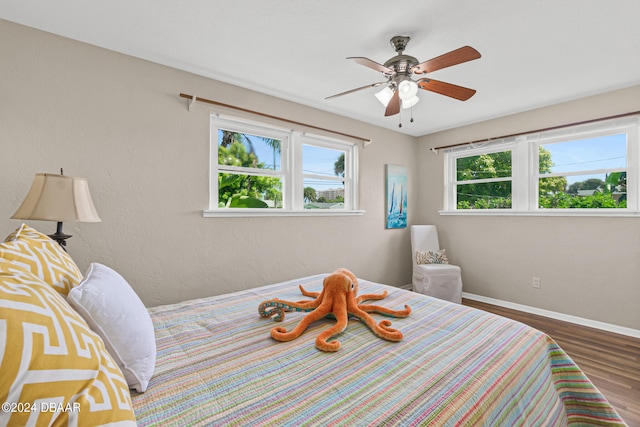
[589,267]
[119,122]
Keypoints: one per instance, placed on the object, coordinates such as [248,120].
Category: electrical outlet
[536,282]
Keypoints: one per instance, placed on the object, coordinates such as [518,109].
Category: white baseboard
[555,315]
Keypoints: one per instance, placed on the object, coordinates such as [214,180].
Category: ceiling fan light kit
[406,104]
[400,89]
[385,95]
[408,89]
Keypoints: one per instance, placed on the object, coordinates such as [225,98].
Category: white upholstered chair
[442,281]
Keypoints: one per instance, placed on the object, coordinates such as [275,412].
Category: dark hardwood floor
[611,361]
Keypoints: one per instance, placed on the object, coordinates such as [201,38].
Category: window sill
[545,212]
[243,213]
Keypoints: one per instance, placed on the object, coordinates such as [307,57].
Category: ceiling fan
[401,89]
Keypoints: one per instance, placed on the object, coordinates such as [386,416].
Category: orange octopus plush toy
[337,298]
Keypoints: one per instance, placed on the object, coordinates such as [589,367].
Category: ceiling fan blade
[355,90]
[372,64]
[446,89]
[458,56]
[393,107]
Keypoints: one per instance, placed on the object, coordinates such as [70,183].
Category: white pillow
[113,310]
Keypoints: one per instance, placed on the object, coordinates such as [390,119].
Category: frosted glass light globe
[408,89]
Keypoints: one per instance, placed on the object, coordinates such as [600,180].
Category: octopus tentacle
[338,328]
[383,330]
[386,325]
[278,307]
[366,297]
[319,296]
[280,334]
[385,311]
[310,293]
[305,305]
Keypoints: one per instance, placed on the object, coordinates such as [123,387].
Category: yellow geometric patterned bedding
[43,257]
[53,369]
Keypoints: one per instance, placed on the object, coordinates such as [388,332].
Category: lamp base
[60,237]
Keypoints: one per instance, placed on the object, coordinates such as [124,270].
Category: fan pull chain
[400,117]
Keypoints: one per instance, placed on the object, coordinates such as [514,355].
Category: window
[250,173]
[588,169]
[583,173]
[262,170]
[483,181]
[323,174]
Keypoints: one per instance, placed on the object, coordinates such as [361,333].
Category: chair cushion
[432,257]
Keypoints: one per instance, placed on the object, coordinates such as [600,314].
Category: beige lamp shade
[58,198]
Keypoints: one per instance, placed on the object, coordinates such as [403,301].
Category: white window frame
[350,163]
[291,170]
[525,170]
[451,183]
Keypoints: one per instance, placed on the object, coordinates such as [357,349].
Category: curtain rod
[365,141]
[435,149]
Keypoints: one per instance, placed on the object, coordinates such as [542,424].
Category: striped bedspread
[217,365]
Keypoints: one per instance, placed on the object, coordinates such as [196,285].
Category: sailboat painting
[396,196]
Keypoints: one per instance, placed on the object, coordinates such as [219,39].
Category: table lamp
[58,198]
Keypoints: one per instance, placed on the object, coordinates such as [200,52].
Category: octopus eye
[353,285]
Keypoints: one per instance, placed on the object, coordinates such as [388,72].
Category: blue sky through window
[264,152]
[320,161]
[316,160]
[606,152]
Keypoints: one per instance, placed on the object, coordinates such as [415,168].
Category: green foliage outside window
[245,190]
[486,195]
[611,193]
[553,192]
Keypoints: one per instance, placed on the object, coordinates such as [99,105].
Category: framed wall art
[396,189]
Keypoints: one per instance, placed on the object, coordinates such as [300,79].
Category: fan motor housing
[401,64]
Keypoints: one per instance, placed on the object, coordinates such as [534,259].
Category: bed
[214,362]
[217,365]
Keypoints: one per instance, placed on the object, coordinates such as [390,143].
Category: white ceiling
[534,53]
